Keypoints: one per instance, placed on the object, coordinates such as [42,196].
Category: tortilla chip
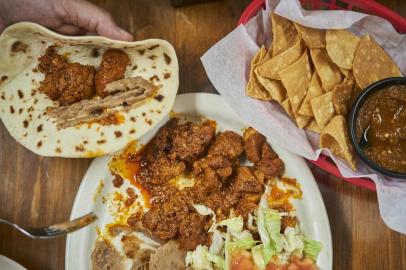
[254,89]
[301,121]
[274,88]
[372,63]
[341,46]
[323,108]
[347,73]
[328,72]
[335,137]
[288,108]
[313,126]
[313,91]
[296,79]
[342,95]
[314,38]
[270,69]
[284,34]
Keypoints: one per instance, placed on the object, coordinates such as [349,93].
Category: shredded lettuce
[292,240]
[312,248]
[273,226]
[234,225]
[257,253]
[232,239]
[217,243]
[198,259]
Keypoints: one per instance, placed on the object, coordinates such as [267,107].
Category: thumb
[94,19]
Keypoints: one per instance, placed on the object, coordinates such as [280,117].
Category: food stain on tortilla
[3,78]
[132,119]
[132,131]
[118,133]
[39,144]
[144,114]
[167,59]
[152,57]
[58,150]
[39,128]
[12,109]
[25,123]
[167,75]
[134,67]
[153,47]
[159,97]
[95,52]
[141,51]
[33,92]
[19,46]
[20,94]
[154,78]
[101,141]
[148,121]
[21,110]
[79,148]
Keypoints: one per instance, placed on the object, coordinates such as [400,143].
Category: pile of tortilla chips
[315,75]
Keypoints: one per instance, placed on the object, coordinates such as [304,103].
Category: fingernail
[125,34]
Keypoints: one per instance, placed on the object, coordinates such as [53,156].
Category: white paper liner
[227,66]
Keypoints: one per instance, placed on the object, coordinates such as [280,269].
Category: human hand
[69,17]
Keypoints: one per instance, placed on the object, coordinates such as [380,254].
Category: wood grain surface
[37,191]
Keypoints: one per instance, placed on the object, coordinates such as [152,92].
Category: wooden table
[37,191]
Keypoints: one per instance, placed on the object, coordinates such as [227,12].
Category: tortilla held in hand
[335,137]
[39,113]
[372,63]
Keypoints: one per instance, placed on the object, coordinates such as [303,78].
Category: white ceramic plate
[9,264]
[310,210]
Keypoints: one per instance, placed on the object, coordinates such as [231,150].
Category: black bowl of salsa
[377,126]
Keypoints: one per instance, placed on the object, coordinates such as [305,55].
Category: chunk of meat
[74,83]
[253,142]
[168,256]
[160,171]
[228,144]
[267,152]
[51,61]
[65,82]
[271,167]
[192,231]
[106,257]
[221,164]
[245,181]
[247,204]
[190,141]
[112,68]
[208,182]
[164,216]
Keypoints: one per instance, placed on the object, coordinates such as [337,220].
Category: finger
[94,19]
[69,29]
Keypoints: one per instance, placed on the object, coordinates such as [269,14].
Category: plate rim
[207,96]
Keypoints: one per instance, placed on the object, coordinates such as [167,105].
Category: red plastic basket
[366,6]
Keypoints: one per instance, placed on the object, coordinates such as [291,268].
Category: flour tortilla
[22,107]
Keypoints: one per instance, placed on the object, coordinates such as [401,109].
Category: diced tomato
[242,261]
[295,263]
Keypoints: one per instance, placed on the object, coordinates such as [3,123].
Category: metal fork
[54,230]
